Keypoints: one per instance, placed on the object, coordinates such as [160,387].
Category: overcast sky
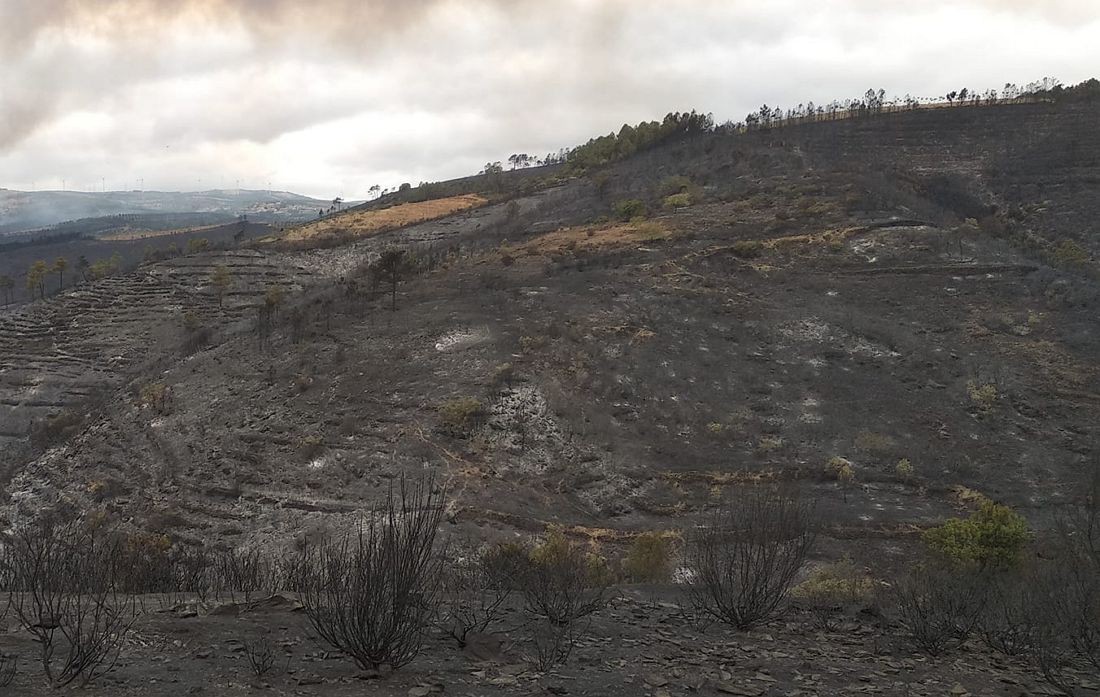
[327,97]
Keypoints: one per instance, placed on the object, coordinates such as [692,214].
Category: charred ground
[878,290]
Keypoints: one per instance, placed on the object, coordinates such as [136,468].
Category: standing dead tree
[371,594]
[744,563]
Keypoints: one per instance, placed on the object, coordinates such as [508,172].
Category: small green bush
[678,201]
[747,249]
[649,558]
[994,536]
[461,415]
[983,396]
[629,209]
[904,469]
[832,589]
[840,469]
[1071,254]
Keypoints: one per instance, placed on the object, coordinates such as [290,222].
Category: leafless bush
[476,589]
[372,593]
[744,563]
[145,564]
[244,571]
[939,605]
[1054,615]
[1078,560]
[193,569]
[65,594]
[550,644]
[260,654]
[8,668]
[1009,623]
[563,583]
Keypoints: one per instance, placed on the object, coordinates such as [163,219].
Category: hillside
[22,211]
[611,351]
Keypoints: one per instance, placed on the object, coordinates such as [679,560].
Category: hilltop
[610,349]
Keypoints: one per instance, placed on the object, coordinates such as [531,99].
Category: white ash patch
[611,496]
[463,338]
[813,330]
[521,424]
[319,463]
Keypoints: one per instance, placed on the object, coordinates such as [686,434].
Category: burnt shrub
[61,574]
[563,582]
[371,593]
[743,564]
[562,585]
[476,588]
[939,605]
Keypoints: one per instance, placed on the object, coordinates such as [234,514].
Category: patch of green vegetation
[629,209]
[682,200]
[747,249]
[982,395]
[994,536]
[649,558]
[832,588]
[459,416]
[1070,254]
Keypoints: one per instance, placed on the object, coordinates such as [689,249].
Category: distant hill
[21,211]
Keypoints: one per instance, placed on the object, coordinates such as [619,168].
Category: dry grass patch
[363,223]
[589,238]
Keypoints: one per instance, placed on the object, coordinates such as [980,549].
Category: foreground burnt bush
[744,563]
[62,575]
[478,586]
[372,593]
[562,585]
[939,605]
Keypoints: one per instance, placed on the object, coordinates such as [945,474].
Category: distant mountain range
[21,211]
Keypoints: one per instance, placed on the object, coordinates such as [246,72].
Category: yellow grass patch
[817,238]
[588,238]
[363,223]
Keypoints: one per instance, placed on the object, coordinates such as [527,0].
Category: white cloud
[330,97]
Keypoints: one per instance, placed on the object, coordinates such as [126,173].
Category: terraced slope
[56,354]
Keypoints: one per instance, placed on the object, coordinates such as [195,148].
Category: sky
[329,97]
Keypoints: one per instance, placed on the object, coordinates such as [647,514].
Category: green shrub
[747,249]
[904,469]
[1071,254]
[649,558]
[840,469]
[678,201]
[832,589]
[994,536]
[983,396]
[461,415]
[629,209]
